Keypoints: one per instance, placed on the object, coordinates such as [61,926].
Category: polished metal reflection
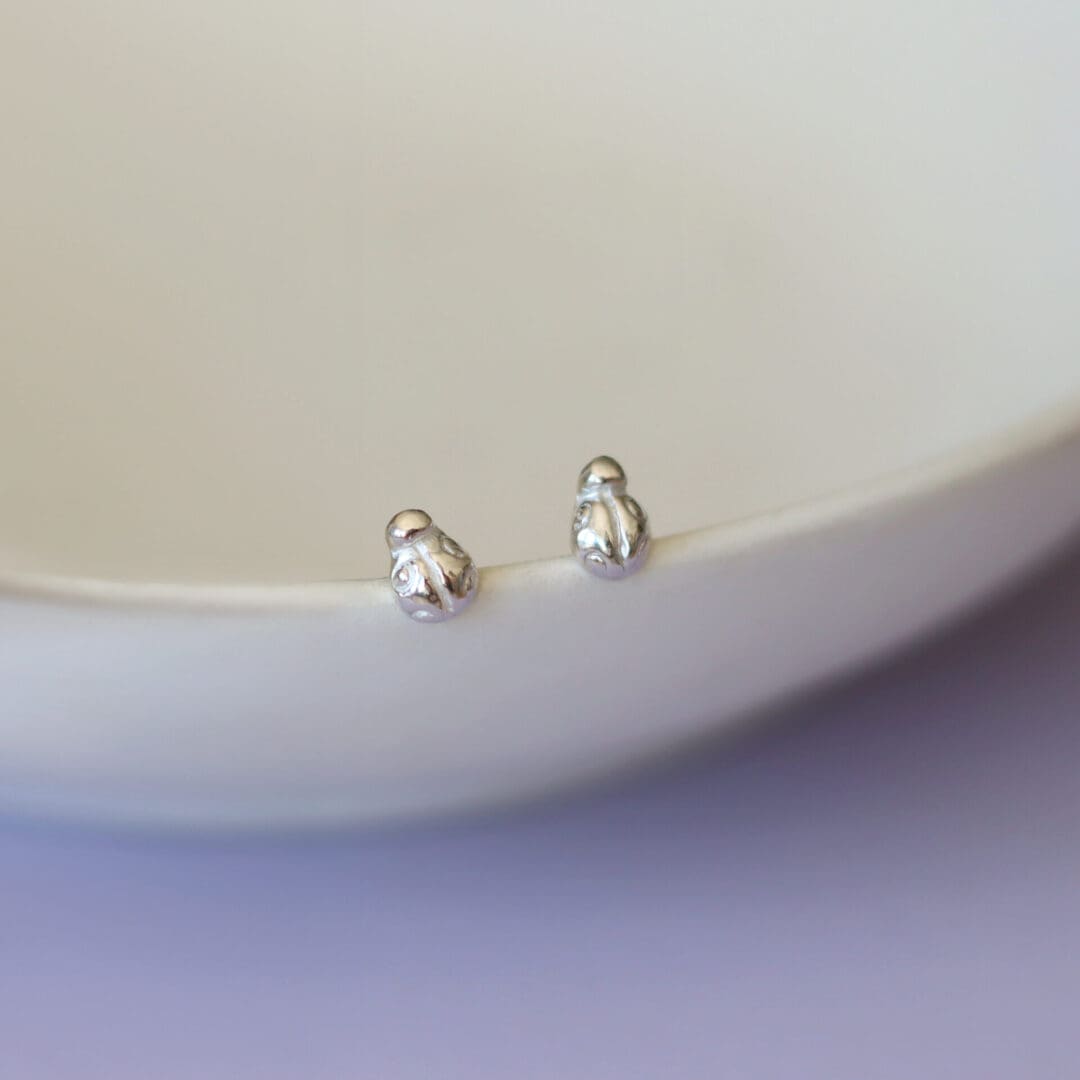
[610,531]
[433,576]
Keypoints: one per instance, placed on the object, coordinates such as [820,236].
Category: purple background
[882,882]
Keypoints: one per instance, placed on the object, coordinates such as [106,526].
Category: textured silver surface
[610,531]
[433,576]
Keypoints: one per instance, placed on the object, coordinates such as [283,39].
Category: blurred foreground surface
[883,883]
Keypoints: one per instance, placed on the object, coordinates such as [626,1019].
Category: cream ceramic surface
[271,274]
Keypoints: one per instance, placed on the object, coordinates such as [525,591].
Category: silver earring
[610,531]
[433,576]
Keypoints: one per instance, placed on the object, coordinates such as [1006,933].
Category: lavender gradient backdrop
[883,883]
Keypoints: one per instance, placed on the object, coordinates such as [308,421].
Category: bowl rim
[1044,429]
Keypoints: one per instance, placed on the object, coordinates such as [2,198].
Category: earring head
[433,577]
[610,531]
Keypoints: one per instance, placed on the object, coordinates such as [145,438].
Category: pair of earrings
[435,578]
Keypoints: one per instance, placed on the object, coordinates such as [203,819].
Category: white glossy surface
[267,281]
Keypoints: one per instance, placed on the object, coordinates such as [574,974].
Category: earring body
[433,577]
[610,531]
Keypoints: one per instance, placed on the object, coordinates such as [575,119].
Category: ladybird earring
[610,531]
[433,576]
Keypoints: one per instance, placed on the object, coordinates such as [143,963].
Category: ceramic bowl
[810,274]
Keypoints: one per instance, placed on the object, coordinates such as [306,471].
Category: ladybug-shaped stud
[610,531]
[433,577]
